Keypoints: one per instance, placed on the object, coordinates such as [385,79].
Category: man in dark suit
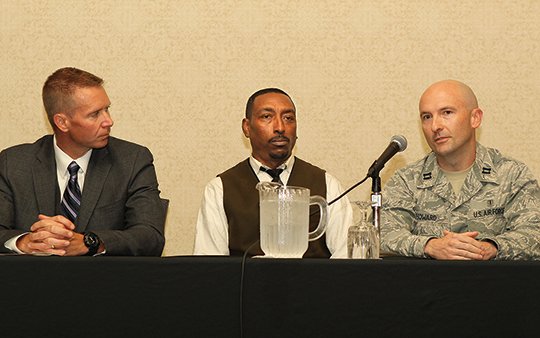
[79,191]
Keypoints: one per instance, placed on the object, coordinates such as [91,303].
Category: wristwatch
[92,242]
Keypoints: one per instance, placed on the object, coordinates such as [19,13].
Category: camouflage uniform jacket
[500,199]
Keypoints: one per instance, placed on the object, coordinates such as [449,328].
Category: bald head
[450,116]
[462,93]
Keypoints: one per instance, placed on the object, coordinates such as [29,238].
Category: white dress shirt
[62,162]
[212,234]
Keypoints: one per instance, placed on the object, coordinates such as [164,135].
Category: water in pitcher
[284,228]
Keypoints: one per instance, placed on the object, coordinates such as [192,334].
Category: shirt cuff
[101,253]
[11,244]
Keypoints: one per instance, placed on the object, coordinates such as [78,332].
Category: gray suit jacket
[120,200]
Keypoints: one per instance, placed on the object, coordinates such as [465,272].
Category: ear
[245,127]
[61,122]
[476,117]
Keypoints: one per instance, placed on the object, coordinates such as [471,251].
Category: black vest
[241,203]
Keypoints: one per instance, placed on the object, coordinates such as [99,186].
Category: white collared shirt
[263,176]
[212,230]
[62,162]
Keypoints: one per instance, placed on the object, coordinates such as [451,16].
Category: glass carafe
[362,237]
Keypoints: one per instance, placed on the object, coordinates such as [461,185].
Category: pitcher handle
[323,220]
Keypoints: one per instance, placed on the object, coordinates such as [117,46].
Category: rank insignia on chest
[426,176]
[486,170]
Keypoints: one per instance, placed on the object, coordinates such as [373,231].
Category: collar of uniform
[63,160]
[430,172]
[482,168]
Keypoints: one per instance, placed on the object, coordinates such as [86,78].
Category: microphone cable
[244,257]
[348,190]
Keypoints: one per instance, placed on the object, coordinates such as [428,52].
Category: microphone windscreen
[401,141]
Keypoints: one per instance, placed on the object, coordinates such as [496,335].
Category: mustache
[280,138]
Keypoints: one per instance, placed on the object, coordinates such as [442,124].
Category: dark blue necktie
[71,200]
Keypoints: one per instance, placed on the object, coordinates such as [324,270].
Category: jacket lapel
[44,177]
[94,181]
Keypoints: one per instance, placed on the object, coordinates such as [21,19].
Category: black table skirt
[202,297]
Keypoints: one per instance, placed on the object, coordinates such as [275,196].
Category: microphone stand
[376,204]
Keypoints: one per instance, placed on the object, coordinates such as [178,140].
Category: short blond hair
[60,86]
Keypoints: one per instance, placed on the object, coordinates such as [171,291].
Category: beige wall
[179,73]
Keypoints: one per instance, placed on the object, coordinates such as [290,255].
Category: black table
[201,297]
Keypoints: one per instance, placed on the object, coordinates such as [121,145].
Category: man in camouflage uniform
[463,200]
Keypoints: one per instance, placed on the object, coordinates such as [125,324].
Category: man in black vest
[228,221]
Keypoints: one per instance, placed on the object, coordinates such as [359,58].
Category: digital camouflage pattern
[500,199]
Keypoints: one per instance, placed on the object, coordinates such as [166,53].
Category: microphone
[397,143]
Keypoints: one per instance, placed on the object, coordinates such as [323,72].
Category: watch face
[91,240]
